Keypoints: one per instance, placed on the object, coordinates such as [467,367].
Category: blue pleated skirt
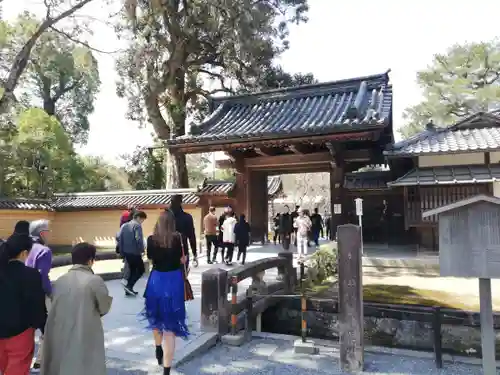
[164,306]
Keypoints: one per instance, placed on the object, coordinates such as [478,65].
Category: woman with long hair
[164,304]
[23,310]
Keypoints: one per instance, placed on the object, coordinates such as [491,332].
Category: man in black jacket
[184,224]
[286,227]
[317,226]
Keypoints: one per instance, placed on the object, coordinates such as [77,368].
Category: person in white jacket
[229,237]
[303,225]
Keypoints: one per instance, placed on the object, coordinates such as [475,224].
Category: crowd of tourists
[224,234]
[300,228]
[68,311]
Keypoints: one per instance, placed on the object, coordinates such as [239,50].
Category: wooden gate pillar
[258,205]
[337,198]
[242,179]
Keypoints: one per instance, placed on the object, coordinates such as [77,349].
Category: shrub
[322,264]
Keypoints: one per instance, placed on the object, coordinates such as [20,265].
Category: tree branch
[85,44]
[21,60]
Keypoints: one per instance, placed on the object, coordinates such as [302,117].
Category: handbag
[188,290]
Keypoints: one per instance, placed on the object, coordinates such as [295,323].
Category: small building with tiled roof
[310,128]
[94,216]
[440,166]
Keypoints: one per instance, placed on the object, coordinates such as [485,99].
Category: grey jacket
[131,239]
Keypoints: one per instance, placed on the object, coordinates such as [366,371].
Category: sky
[342,39]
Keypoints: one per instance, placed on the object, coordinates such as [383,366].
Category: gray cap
[38,226]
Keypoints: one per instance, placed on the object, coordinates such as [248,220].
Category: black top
[24,300]
[242,232]
[185,226]
[165,259]
[286,223]
[317,221]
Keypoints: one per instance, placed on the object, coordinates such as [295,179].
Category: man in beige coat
[74,336]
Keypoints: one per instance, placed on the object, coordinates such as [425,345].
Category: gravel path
[276,357]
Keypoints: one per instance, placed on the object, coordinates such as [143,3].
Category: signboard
[359,206]
[350,298]
[337,209]
[469,241]
[469,246]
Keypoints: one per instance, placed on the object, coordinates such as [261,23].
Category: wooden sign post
[351,327]
[469,246]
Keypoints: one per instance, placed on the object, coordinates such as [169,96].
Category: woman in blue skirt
[164,307]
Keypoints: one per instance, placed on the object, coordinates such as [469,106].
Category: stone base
[234,340]
[307,347]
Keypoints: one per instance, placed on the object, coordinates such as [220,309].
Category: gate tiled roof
[449,176]
[217,187]
[340,106]
[274,185]
[368,180]
[480,132]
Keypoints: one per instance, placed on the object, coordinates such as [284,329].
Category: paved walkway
[276,357]
[130,347]
[126,338]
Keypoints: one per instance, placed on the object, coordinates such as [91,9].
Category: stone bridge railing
[217,284]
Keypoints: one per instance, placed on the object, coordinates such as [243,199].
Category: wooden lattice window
[420,199]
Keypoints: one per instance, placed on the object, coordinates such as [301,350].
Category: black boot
[166,370]
[159,354]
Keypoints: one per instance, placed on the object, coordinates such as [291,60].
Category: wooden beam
[283,140]
[358,155]
[262,151]
[298,149]
[288,161]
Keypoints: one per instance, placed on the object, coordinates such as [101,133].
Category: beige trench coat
[74,336]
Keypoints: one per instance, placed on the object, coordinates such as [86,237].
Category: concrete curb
[202,344]
[376,349]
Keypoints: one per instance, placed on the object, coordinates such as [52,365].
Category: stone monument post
[351,327]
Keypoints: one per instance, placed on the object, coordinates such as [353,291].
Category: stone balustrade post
[214,304]
[286,271]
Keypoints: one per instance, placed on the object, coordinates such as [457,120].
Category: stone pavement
[130,349]
[126,338]
[270,356]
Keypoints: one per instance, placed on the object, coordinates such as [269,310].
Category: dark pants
[276,236]
[242,251]
[211,240]
[295,237]
[136,269]
[230,250]
[285,241]
[315,236]
[216,250]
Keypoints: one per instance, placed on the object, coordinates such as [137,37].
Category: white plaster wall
[453,159]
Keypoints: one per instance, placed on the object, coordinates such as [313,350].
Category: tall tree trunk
[178,177]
